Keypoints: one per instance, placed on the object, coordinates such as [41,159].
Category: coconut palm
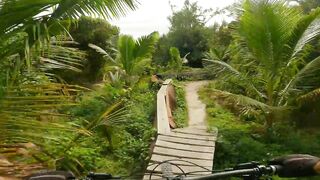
[134,56]
[21,14]
[42,19]
[29,96]
[273,37]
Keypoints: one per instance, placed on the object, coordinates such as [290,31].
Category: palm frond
[225,70]
[19,128]
[306,79]
[126,57]
[305,31]
[265,26]
[101,51]
[62,57]
[145,45]
[132,53]
[112,115]
[29,114]
[312,96]
[219,54]
[16,13]
[222,67]
[105,8]
[244,101]
[34,98]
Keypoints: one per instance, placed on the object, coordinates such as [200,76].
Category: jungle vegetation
[75,94]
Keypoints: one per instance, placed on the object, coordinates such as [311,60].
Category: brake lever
[100,176]
[249,165]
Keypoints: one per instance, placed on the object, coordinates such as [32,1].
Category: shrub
[180,114]
[120,148]
[242,141]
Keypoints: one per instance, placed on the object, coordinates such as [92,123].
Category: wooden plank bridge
[188,148]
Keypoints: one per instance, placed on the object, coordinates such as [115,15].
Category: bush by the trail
[180,113]
[242,141]
[119,148]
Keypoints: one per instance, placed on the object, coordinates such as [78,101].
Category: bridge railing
[165,103]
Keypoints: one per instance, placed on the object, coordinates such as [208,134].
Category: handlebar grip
[276,168]
[293,171]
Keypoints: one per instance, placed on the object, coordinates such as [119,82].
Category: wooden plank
[176,170]
[154,176]
[186,141]
[192,136]
[189,147]
[182,154]
[163,125]
[194,131]
[167,82]
[201,162]
[162,114]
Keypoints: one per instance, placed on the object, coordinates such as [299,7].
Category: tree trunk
[269,120]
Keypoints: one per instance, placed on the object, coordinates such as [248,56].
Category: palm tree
[27,92]
[271,69]
[134,55]
[43,19]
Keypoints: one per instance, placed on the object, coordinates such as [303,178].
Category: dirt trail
[196,109]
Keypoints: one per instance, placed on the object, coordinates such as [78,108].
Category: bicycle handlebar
[252,170]
[255,172]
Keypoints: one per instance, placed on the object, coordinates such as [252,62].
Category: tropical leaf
[225,70]
[134,55]
[126,57]
[223,67]
[305,31]
[113,115]
[307,79]
[105,8]
[219,54]
[62,57]
[273,34]
[265,27]
[312,96]
[29,103]
[244,101]
[145,45]
[101,51]
[16,13]
[41,19]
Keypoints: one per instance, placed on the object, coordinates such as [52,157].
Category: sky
[152,15]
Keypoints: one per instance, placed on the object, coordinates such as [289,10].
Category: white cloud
[152,15]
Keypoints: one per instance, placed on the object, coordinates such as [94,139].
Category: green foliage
[269,69]
[220,35]
[180,114]
[22,16]
[95,31]
[30,97]
[219,54]
[175,60]
[187,33]
[120,146]
[161,55]
[134,56]
[93,104]
[241,141]
[134,148]
[93,35]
